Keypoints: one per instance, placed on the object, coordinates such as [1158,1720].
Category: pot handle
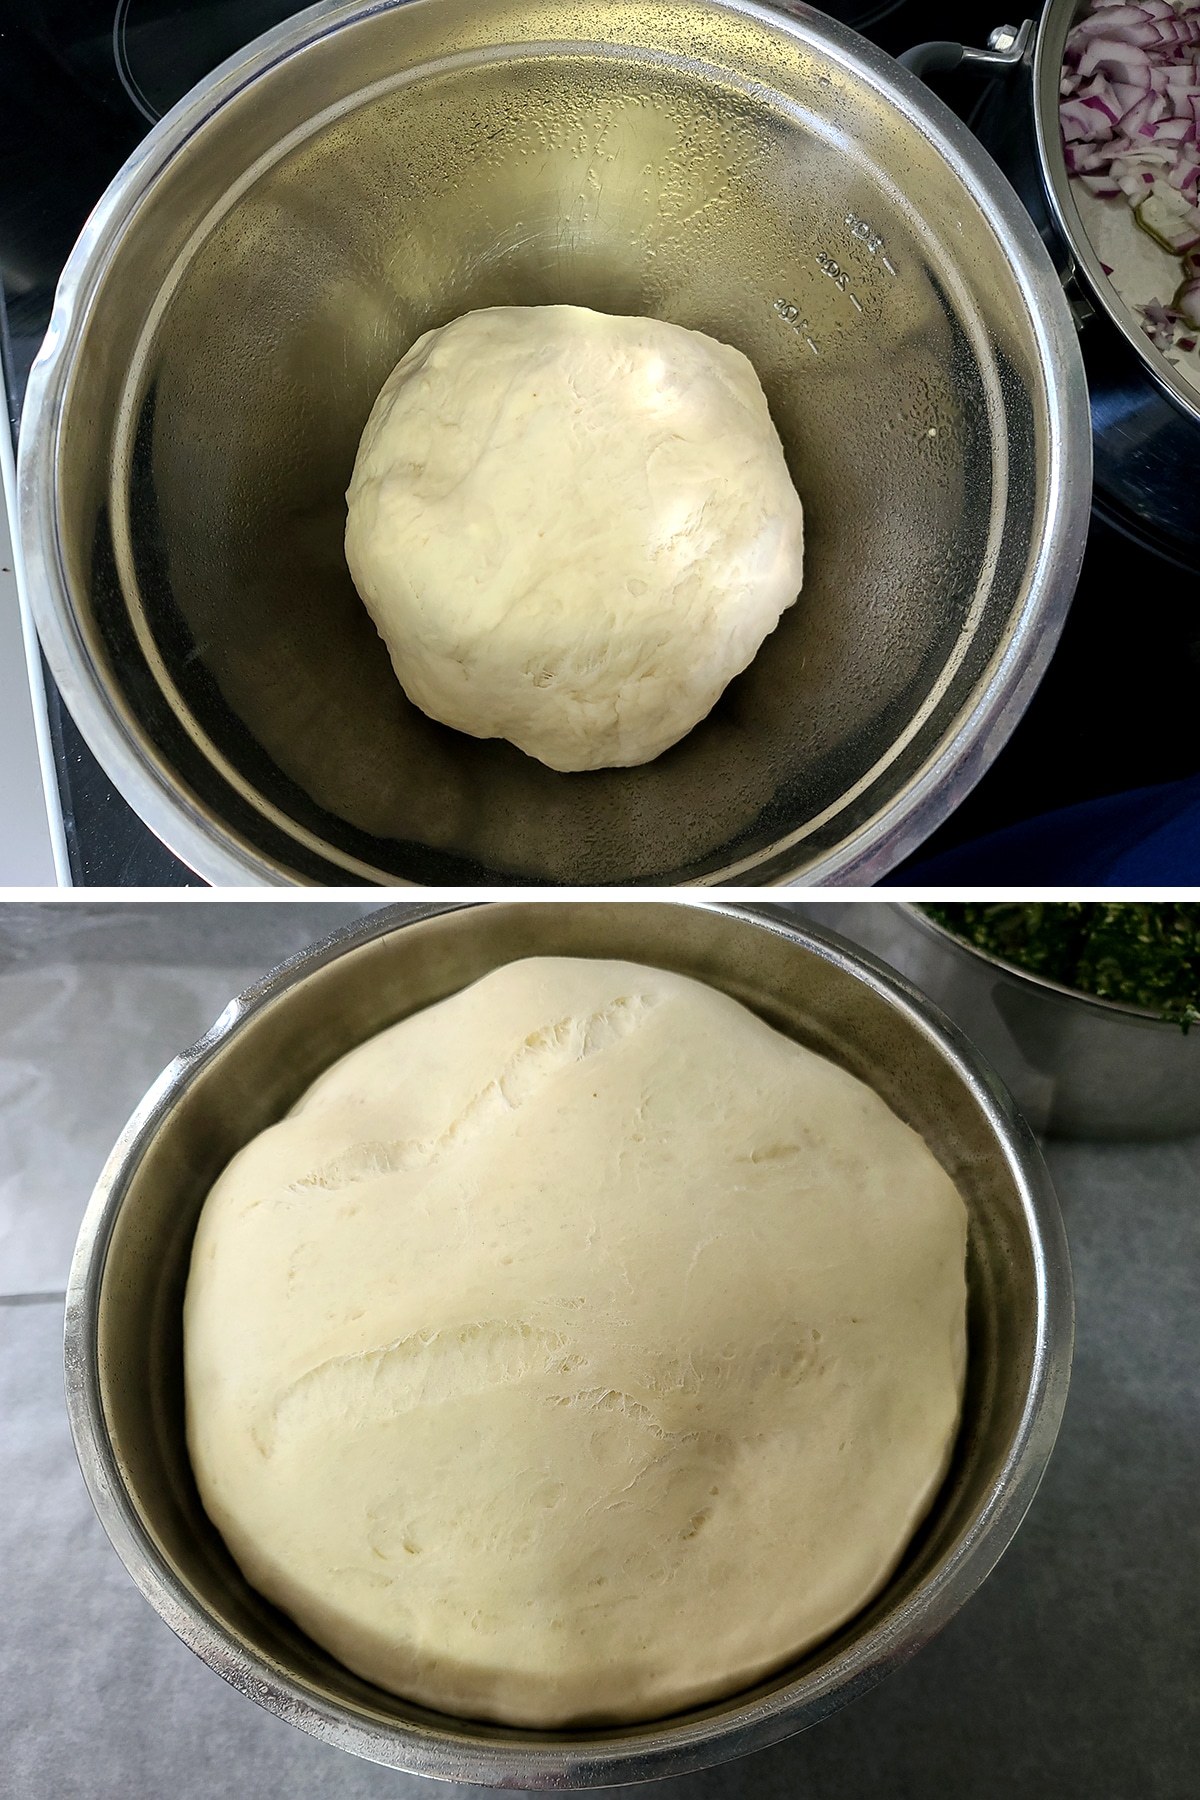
[1008,48]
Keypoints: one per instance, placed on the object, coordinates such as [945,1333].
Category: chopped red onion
[1159,323]
[1130,114]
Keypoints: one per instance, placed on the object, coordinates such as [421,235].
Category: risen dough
[572,530]
[578,1350]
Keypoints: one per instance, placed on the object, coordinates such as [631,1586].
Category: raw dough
[578,1350]
[572,530]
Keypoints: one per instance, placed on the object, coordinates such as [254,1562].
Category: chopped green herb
[1143,954]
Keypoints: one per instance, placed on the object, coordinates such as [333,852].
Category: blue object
[1147,838]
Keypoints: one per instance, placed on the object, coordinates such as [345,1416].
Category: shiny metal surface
[123,1329]
[369,170]
[1078,1067]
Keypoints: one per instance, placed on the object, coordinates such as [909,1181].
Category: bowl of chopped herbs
[1089,1011]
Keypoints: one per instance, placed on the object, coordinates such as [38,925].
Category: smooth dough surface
[578,1350]
[572,529]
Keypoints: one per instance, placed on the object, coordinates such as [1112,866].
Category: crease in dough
[567,1040]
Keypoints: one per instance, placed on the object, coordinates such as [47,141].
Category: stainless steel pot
[373,168]
[1077,1066]
[123,1332]
[1145,417]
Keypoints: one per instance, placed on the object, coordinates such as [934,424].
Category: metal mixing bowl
[1077,1066]
[124,1328]
[369,170]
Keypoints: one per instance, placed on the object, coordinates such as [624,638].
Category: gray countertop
[32,848]
[1072,1674]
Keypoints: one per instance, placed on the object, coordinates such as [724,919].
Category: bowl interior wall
[689,163]
[259,1072]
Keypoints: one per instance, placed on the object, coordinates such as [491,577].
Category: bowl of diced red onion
[1129,123]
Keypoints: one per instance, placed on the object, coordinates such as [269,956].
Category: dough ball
[578,1350]
[572,530]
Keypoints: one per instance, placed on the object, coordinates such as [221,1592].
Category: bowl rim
[164,798]
[1118,1009]
[676,1745]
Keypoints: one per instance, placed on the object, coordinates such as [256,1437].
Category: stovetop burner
[81,81]
[161,50]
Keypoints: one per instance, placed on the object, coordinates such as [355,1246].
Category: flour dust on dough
[578,1350]
[572,529]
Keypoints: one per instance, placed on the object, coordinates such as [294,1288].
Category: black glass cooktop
[81,81]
